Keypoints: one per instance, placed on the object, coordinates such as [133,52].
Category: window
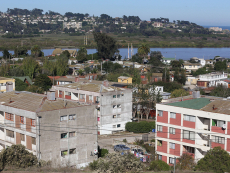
[72,134]
[171,145]
[63,118]
[119,105]
[118,125]
[33,122]
[63,135]
[118,96]
[63,153]
[172,130]
[72,117]
[218,139]
[82,96]
[159,128]
[114,106]
[114,126]
[159,157]
[114,96]
[10,133]
[189,149]
[33,141]
[171,160]
[60,92]
[172,115]
[114,116]
[22,136]
[90,97]
[72,151]
[160,113]
[218,123]
[118,115]
[189,118]
[21,119]
[159,143]
[97,99]
[188,135]
[67,93]
[122,94]
[9,116]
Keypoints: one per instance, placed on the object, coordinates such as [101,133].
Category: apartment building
[63,132]
[114,103]
[210,79]
[6,84]
[194,125]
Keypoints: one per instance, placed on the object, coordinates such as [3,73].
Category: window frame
[33,122]
[171,160]
[71,136]
[22,121]
[219,139]
[118,125]
[173,115]
[189,135]
[72,115]
[172,130]
[33,141]
[160,113]
[62,117]
[9,116]
[189,118]
[159,142]
[64,137]
[159,128]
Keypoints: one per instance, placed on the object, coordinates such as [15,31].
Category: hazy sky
[202,12]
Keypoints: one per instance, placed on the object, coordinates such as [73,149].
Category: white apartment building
[192,126]
[114,104]
[210,79]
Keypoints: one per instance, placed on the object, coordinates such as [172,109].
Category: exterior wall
[85,140]
[228,145]
[164,118]
[163,148]
[177,120]
[3,87]
[129,80]
[164,133]
[175,151]
[189,124]
[228,128]
[176,136]
[214,144]
[218,129]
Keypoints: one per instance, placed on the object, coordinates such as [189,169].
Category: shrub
[102,152]
[159,165]
[124,140]
[17,156]
[141,127]
[186,162]
[115,162]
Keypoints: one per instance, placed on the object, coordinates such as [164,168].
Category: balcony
[203,139]
[10,139]
[203,124]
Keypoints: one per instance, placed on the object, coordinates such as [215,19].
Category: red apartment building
[194,125]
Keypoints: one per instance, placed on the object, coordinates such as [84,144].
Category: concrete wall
[85,141]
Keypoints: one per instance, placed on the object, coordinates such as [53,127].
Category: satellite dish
[224,126]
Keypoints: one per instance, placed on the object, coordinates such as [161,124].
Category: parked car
[121,147]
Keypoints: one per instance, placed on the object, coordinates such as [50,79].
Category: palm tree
[143,50]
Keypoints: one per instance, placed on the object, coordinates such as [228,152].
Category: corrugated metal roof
[218,106]
[192,104]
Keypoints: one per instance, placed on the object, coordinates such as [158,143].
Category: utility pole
[174,164]
[86,40]
[128,50]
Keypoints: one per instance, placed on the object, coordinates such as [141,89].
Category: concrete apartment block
[193,125]
[61,131]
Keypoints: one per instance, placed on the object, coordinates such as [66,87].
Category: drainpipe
[39,134]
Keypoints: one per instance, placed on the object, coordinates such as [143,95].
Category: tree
[6,54]
[156,58]
[29,66]
[220,91]
[43,81]
[159,165]
[4,69]
[66,53]
[186,162]
[176,75]
[18,156]
[82,54]
[220,66]
[35,89]
[36,51]
[106,45]
[20,51]
[143,50]
[179,93]
[217,160]
[80,72]
[87,70]
[20,85]
[62,65]
[176,64]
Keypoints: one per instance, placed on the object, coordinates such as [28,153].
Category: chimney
[76,79]
[51,96]
[9,86]
[105,83]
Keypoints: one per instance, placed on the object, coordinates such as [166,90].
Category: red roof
[56,77]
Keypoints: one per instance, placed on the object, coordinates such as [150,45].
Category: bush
[17,156]
[141,127]
[159,165]
[186,162]
[104,152]
[124,140]
[115,162]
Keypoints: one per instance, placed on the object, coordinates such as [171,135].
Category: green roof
[168,58]
[22,78]
[192,104]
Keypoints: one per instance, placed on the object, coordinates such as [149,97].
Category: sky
[201,12]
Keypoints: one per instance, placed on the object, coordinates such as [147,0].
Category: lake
[179,53]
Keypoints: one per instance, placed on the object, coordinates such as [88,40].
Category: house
[160,89]
[72,60]
[7,84]
[114,104]
[73,53]
[157,24]
[202,62]
[57,51]
[191,80]
[191,66]
[53,129]
[192,125]
[168,60]
[195,59]
[220,59]
[210,79]
[209,62]
[125,79]
[224,82]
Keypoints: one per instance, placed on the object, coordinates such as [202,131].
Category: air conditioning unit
[224,126]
